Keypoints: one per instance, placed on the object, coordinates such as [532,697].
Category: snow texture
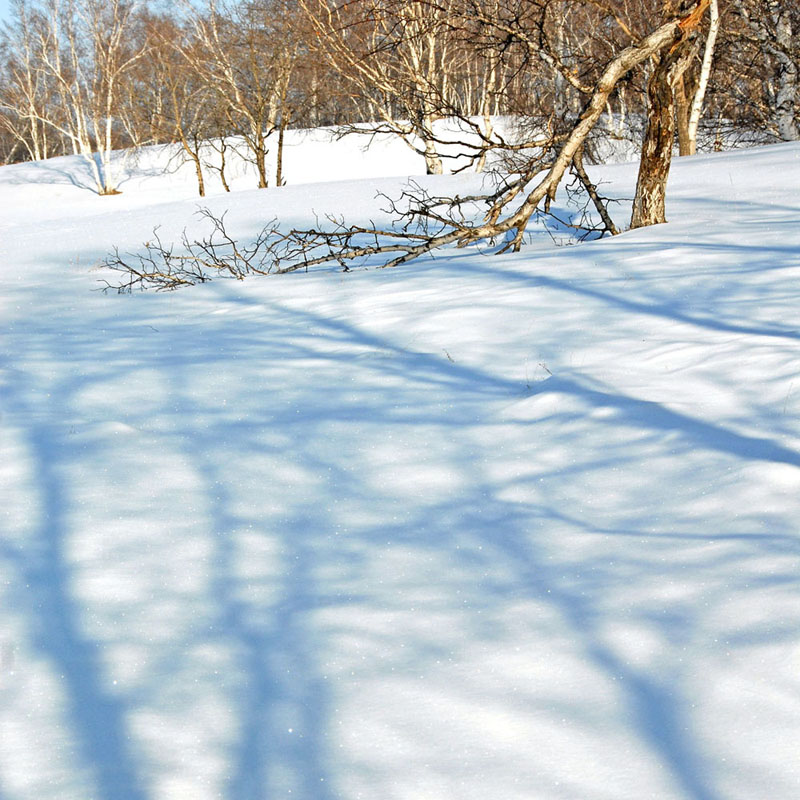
[519,527]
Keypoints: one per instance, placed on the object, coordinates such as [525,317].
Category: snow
[522,527]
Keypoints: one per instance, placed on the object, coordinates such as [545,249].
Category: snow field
[521,527]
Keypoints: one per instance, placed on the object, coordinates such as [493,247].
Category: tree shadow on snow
[289,459]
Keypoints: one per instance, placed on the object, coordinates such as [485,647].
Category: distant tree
[76,56]
[245,53]
[27,93]
[773,27]
[184,105]
[397,56]
[754,94]
[141,102]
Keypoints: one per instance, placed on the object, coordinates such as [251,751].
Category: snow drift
[523,527]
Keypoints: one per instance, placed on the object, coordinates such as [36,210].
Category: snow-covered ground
[521,527]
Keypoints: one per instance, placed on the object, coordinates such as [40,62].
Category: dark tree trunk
[194,154]
[222,148]
[279,169]
[651,185]
[682,111]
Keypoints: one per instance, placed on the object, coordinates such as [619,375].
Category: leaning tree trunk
[651,186]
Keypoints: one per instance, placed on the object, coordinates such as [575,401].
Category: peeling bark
[649,205]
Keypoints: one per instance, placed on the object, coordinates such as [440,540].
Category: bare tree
[27,96]
[754,95]
[185,104]
[397,56]
[246,54]
[81,49]
[775,26]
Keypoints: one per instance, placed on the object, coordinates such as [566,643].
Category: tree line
[90,76]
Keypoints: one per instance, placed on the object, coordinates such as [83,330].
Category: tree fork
[668,35]
[649,205]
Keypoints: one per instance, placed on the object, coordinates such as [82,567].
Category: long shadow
[483,533]
[658,707]
[97,718]
[660,310]
[77,173]
[513,535]
[734,206]
[654,416]
[656,704]
[275,644]
[45,172]
[277,658]
[785,543]
[434,370]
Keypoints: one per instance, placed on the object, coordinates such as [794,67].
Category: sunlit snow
[522,527]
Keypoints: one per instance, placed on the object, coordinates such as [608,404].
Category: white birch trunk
[787,78]
[705,73]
